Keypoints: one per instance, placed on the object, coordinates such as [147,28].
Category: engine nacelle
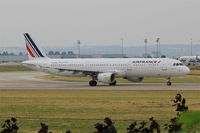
[135,79]
[106,77]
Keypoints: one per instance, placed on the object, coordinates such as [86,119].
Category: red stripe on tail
[32,55]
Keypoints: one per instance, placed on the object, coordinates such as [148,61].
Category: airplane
[190,60]
[105,70]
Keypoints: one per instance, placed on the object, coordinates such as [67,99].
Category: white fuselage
[121,67]
[104,69]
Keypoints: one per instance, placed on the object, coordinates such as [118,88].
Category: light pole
[79,49]
[145,42]
[191,47]
[122,39]
[157,41]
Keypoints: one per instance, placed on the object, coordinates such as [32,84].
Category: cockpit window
[178,64]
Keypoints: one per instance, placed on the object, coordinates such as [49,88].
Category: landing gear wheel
[113,83]
[93,83]
[169,83]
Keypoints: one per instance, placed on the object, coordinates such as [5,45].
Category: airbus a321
[105,70]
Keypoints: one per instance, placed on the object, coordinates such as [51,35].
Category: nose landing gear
[169,83]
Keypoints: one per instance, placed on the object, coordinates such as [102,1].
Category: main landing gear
[169,83]
[93,83]
[113,83]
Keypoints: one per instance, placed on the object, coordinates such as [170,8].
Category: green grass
[79,110]
[190,120]
[13,68]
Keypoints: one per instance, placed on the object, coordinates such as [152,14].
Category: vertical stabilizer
[32,49]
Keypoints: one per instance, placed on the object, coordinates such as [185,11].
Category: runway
[26,81]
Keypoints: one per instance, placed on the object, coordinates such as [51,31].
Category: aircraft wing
[85,72]
[75,71]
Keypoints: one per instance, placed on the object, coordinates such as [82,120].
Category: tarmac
[27,81]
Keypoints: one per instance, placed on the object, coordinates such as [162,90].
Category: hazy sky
[99,22]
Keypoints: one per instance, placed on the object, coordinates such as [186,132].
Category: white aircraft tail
[32,50]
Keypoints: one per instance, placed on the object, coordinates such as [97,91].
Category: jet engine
[135,79]
[106,77]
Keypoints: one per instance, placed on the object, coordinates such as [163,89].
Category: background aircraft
[190,60]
